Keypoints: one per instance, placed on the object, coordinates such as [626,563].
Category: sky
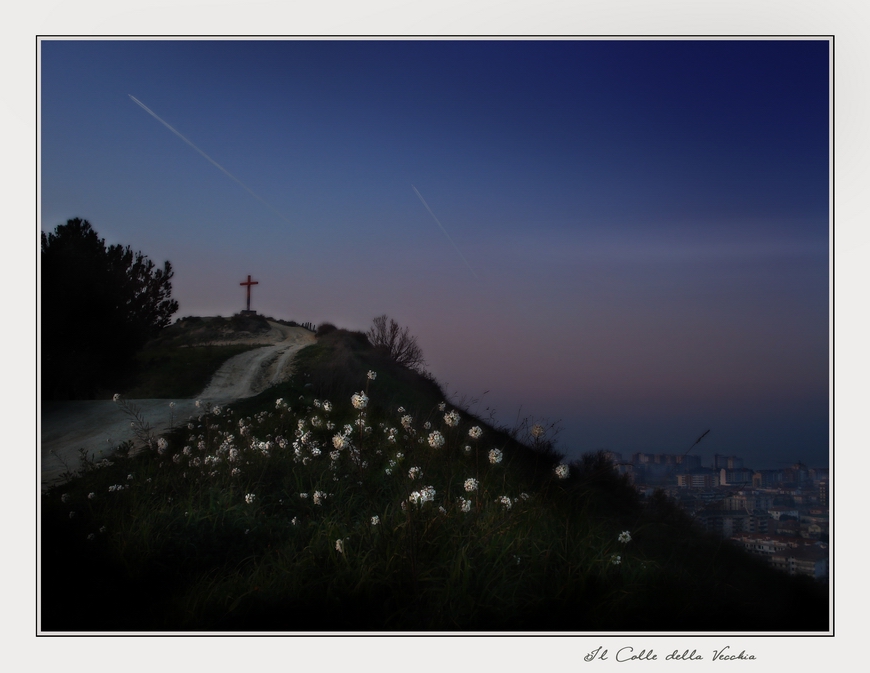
[629,237]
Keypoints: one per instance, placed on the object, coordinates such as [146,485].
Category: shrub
[324,329]
[397,341]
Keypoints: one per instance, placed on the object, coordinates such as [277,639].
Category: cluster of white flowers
[249,498]
[279,403]
[625,537]
[465,505]
[376,520]
[318,497]
[467,448]
[442,406]
[116,397]
[339,546]
[495,456]
[327,406]
[372,375]
[91,496]
[616,559]
[424,495]
[359,400]
[427,425]
[414,472]
[118,487]
[452,419]
[436,440]
[235,472]
[64,498]
[216,411]
[406,422]
[475,432]
[340,442]
[401,410]
[162,445]
[471,484]
[505,500]
[537,431]
[392,434]
[562,471]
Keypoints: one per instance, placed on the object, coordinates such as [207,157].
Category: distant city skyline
[630,236]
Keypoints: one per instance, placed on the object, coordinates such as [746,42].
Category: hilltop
[355,496]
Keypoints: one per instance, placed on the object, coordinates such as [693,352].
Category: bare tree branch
[397,341]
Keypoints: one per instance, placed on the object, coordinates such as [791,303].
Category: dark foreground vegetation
[344,500]
[100,305]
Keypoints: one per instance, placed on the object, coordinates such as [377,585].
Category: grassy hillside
[181,361]
[344,500]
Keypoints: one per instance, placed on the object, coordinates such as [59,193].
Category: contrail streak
[211,161]
[444,230]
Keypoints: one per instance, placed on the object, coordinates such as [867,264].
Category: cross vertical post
[248,283]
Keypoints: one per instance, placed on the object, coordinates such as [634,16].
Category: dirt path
[99,425]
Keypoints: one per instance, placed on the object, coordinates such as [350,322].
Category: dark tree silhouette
[396,340]
[99,307]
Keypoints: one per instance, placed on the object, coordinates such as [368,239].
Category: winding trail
[97,426]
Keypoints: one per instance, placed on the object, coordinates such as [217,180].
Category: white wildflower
[250,497]
[495,456]
[116,397]
[475,432]
[616,559]
[339,546]
[415,473]
[471,484]
[436,440]
[625,537]
[372,375]
[562,471]
[359,400]
[505,500]
[465,505]
[452,419]
[537,431]
[442,406]
[376,520]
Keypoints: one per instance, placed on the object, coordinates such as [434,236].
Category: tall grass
[298,512]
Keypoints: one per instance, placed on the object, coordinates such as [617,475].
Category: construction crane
[696,442]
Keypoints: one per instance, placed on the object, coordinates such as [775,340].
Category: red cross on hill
[249,282]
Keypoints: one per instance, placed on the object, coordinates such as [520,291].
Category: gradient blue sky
[645,223]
